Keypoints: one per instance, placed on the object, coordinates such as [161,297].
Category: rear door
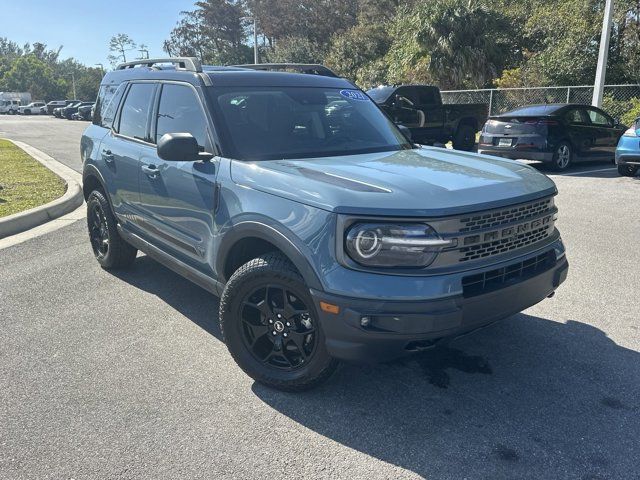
[580,132]
[177,199]
[121,148]
[430,104]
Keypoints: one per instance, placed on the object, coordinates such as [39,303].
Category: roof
[190,70]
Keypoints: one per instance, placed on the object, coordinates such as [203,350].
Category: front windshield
[269,123]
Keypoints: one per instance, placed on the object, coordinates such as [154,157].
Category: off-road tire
[271,269]
[465,138]
[119,254]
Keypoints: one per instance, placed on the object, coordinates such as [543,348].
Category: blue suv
[326,232]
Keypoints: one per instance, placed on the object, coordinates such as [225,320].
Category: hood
[420,182]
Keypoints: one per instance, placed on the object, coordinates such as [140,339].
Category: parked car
[56,104]
[420,108]
[326,232]
[69,110]
[10,107]
[628,151]
[558,134]
[84,112]
[10,102]
[34,108]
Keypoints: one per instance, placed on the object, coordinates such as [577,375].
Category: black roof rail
[310,68]
[191,64]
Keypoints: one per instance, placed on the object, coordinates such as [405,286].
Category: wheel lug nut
[273,333]
[285,334]
[270,321]
[279,316]
[288,324]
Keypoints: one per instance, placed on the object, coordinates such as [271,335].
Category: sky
[84,27]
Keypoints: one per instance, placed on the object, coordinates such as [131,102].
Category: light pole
[255,40]
[601,71]
[73,81]
[101,67]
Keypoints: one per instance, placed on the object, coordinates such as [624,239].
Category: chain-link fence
[616,100]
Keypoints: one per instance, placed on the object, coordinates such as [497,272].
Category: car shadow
[195,303]
[527,397]
[549,400]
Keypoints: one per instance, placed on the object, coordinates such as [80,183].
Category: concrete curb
[70,201]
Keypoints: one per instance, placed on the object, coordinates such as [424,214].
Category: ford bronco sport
[326,233]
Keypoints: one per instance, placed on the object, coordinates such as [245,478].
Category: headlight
[394,244]
[632,132]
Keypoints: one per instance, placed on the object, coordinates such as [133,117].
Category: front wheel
[562,157]
[110,250]
[271,327]
[465,138]
[628,170]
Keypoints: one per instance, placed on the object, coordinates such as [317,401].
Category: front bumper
[397,328]
[628,151]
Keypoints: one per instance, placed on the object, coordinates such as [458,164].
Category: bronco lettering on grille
[508,232]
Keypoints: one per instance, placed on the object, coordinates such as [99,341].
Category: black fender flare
[279,239]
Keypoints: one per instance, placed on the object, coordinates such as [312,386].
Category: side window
[576,117]
[105,94]
[408,97]
[427,96]
[135,111]
[180,112]
[599,119]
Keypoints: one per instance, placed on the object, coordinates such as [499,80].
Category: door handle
[150,170]
[107,156]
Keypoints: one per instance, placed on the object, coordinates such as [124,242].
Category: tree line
[39,70]
[455,44]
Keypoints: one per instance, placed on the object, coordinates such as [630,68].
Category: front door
[177,199]
[605,133]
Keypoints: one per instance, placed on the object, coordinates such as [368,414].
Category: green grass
[25,182]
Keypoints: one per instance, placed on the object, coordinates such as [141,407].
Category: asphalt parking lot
[125,376]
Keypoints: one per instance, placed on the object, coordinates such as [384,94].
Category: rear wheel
[563,156]
[628,170]
[111,251]
[465,138]
[271,327]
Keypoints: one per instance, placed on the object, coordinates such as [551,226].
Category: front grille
[502,246]
[486,282]
[506,216]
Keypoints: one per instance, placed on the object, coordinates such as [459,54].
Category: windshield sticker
[353,95]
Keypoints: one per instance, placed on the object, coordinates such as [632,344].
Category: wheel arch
[250,239]
[468,121]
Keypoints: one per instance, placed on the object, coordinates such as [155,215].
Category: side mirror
[406,132]
[180,147]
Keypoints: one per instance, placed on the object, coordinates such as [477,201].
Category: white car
[34,108]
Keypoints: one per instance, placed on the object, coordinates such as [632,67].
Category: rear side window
[180,112]
[576,117]
[135,111]
[598,118]
[105,95]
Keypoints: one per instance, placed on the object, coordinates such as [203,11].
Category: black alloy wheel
[98,231]
[278,327]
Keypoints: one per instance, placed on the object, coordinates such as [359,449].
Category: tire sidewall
[235,292]
[97,197]
[459,141]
